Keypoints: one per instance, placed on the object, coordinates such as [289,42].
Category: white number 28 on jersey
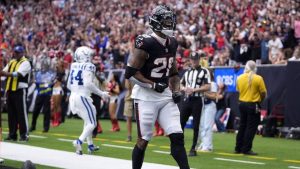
[158,72]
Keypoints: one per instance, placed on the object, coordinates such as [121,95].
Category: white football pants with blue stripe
[84,108]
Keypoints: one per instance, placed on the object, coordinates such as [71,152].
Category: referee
[194,82]
[17,72]
[252,91]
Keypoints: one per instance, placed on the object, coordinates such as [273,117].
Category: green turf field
[274,153]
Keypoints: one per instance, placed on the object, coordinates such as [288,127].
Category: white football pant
[206,126]
[147,112]
[84,108]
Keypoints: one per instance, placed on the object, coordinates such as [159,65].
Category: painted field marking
[33,136]
[229,154]
[262,158]
[65,140]
[101,139]
[1,160]
[240,161]
[121,142]
[116,146]
[161,152]
[165,147]
[151,145]
[294,167]
[292,161]
[36,136]
[57,134]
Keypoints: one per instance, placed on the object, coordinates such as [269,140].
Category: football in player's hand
[160,87]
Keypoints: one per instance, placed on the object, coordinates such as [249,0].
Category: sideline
[64,159]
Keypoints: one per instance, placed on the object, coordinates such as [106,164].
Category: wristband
[14,74]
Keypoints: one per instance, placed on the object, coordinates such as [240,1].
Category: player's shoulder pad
[89,67]
[141,41]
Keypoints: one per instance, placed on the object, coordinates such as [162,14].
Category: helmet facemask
[163,20]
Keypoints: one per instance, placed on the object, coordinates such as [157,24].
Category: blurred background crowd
[222,31]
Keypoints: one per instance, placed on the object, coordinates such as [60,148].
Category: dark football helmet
[163,20]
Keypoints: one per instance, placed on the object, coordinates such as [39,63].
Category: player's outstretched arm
[88,83]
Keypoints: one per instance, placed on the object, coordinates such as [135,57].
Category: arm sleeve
[88,77]
[24,68]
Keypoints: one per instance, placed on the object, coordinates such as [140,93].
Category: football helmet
[83,54]
[163,20]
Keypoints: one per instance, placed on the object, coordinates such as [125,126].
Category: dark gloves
[176,96]
[160,87]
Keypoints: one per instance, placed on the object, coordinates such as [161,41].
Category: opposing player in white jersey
[152,67]
[80,83]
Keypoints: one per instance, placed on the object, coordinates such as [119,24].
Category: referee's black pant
[17,113]
[250,119]
[42,101]
[191,106]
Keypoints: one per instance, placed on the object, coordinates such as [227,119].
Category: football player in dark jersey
[152,67]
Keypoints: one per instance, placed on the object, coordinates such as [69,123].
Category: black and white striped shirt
[195,78]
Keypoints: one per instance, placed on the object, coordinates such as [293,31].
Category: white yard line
[36,136]
[65,140]
[294,167]
[239,161]
[161,152]
[116,146]
[63,159]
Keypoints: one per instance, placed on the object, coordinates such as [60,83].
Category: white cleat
[78,147]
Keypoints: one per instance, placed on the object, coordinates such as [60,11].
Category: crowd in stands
[223,32]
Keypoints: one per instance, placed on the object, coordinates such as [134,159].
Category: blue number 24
[77,77]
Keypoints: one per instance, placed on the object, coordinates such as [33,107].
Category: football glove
[159,87]
[176,96]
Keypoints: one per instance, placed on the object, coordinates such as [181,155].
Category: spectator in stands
[275,48]
[264,48]
[296,55]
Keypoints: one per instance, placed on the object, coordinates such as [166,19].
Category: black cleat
[192,153]
[251,153]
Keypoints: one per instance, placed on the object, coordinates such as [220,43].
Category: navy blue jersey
[160,58]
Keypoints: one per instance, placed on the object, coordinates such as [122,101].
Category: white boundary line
[1,160]
[116,146]
[240,161]
[161,152]
[70,159]
[294,167]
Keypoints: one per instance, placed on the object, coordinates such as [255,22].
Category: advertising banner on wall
[228,76]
